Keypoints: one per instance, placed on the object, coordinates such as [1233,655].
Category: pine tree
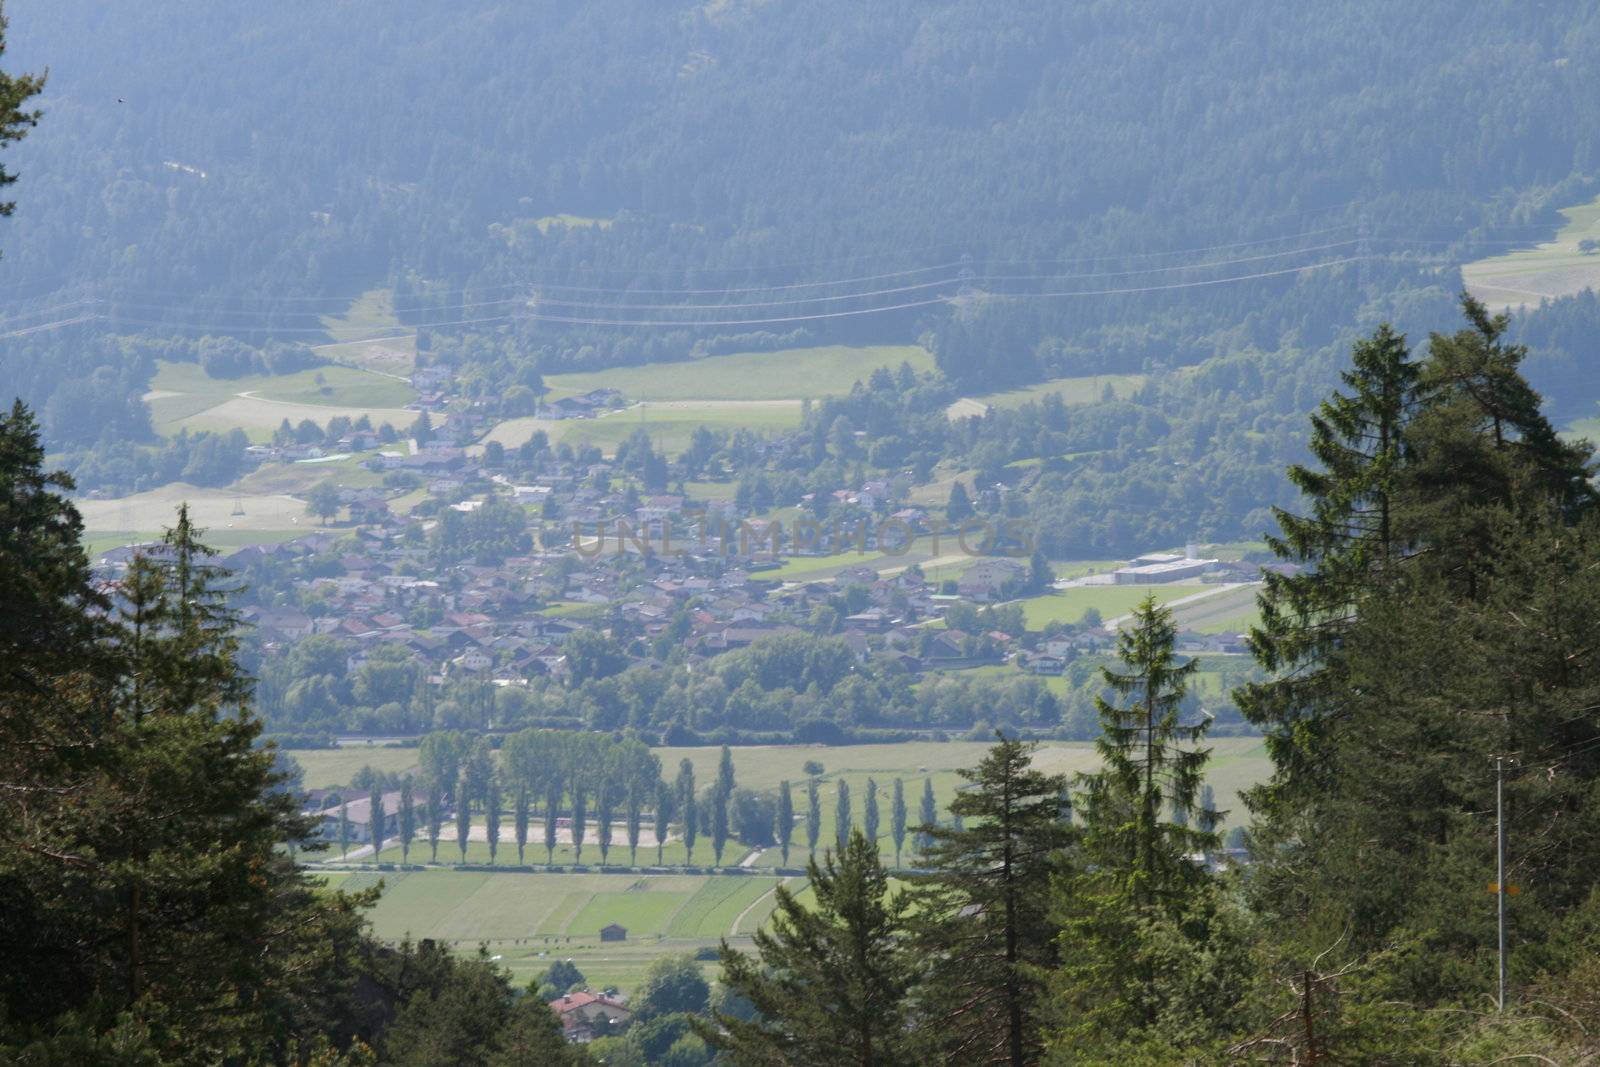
[783,820]
[813,816]
[344,829]
[897,819]
[1352,532]
[1148,762]
[832,982]
[984,907]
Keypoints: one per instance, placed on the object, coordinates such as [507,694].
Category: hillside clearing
[786,374]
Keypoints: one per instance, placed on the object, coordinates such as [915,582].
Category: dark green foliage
[831,982]
[783,819]
[1149,764]
[984,908]
[671,984]
[841,813]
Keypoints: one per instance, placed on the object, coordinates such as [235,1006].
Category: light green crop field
[1112,601]
[182,395]
[670,424]
[328,767]
[1084,390]
[211,509]
[788,374]
[1547,270]
[225,540]
[530,920]
[1231,610]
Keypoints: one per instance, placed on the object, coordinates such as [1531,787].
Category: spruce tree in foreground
[984,908]
[1149,761]
[1352,533]
[832,981]
[1138,876]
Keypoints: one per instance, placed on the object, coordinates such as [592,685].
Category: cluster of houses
[645,559]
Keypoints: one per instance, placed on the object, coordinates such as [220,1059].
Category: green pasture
[1082,390]
[788,374]
[328,767]
[530,920]
[1068,605]
[669,424]
[1549,269]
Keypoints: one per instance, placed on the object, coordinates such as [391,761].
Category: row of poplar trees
[1438,614]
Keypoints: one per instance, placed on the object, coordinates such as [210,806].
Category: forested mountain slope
[322,146]
[1033,191]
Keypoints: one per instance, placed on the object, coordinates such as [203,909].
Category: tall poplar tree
[686,808]
[663,816]
[492,802]
[869,811]
[897,819]
[434,813]
[605,812]
[841,814]
[463,815]
[377,825]
[813,816]
[783,820]
[408,820]
[552,808]
[519,822]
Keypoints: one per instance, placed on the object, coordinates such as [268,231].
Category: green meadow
[788,374]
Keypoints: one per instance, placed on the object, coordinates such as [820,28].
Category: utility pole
[1500,869]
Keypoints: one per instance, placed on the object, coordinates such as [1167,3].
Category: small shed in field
[614,932]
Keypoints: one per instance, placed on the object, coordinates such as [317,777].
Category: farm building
[586,1016]
[614,932]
